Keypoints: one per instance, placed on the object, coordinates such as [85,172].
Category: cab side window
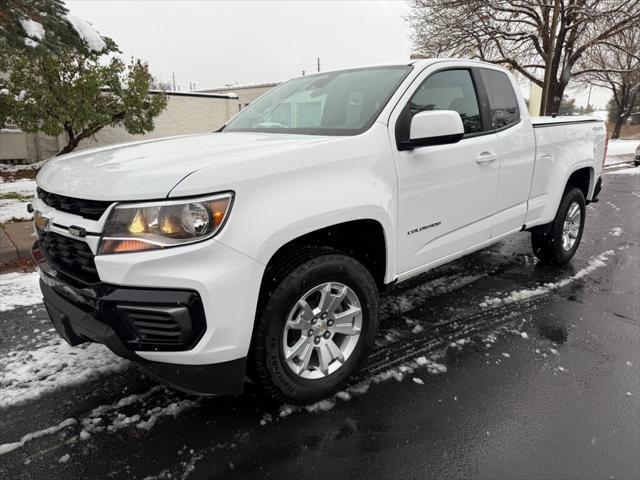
[449,90]
[502,99]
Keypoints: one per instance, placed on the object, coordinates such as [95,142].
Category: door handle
[486,157]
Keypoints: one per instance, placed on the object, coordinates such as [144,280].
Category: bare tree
[616,65]
[541,39]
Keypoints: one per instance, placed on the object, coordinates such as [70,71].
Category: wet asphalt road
[542,385]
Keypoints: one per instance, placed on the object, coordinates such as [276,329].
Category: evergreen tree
[58,78]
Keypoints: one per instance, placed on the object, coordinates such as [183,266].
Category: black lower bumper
[96,320]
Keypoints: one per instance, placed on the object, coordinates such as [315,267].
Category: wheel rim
[322,330]
[571,227]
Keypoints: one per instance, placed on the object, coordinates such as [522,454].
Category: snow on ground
[622,147]
[10,167]
[13,209]
[527,293]
[141,410]
[24,187]
[624,171]
[8,447]
[409,299]
[25,375]
[398,373]
[19,290]
[599,114]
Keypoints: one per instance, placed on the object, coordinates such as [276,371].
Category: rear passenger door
[516,146]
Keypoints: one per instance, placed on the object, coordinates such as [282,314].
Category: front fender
[282,197]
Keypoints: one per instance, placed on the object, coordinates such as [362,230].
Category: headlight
[152,225]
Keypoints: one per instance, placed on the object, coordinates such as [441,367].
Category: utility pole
[589,97]
[174,80]
[318,64]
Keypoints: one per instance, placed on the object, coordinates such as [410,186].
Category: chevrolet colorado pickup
[258,251]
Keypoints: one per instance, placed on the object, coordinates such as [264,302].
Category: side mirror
[434,127]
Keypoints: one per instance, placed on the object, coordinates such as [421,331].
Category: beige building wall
[185,113]
[13,145]
[245,93]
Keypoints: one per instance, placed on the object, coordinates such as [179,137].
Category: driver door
[446,193]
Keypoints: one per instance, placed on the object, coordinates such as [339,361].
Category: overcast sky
[213,43]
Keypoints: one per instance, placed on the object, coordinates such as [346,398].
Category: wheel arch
[363,239]
[582,178]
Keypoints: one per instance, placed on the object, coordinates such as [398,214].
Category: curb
[16,239]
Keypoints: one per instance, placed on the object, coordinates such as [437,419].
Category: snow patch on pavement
[616,231]
[410,299]
[144,410]
[621,147]
[624,171]
[397,373]
[9,447]
[173,409]
[25,375]
[19,289]
[526,294]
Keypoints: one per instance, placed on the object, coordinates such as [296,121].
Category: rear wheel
[558,241]
[315,330]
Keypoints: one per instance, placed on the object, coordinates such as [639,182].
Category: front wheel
[557,242]
[315,330]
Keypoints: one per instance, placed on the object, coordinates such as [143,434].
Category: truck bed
[563,145]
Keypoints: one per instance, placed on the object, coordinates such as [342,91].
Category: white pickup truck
[259,251]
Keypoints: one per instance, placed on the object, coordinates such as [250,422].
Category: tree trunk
[554,98]
[69,147]
[617,127]
[548,74]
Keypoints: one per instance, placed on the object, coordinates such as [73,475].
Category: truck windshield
[346,102]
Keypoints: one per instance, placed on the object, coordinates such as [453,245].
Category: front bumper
[129,321]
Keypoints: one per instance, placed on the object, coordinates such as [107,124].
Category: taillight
[606,147]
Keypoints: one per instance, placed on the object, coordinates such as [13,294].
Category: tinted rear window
[502,99]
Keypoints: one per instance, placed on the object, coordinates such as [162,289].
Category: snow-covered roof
[229,96]
[244,86]
[197,94]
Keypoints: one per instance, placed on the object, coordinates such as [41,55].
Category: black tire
[546,240]
[267,365]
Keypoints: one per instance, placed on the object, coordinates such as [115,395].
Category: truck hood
[150,169]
